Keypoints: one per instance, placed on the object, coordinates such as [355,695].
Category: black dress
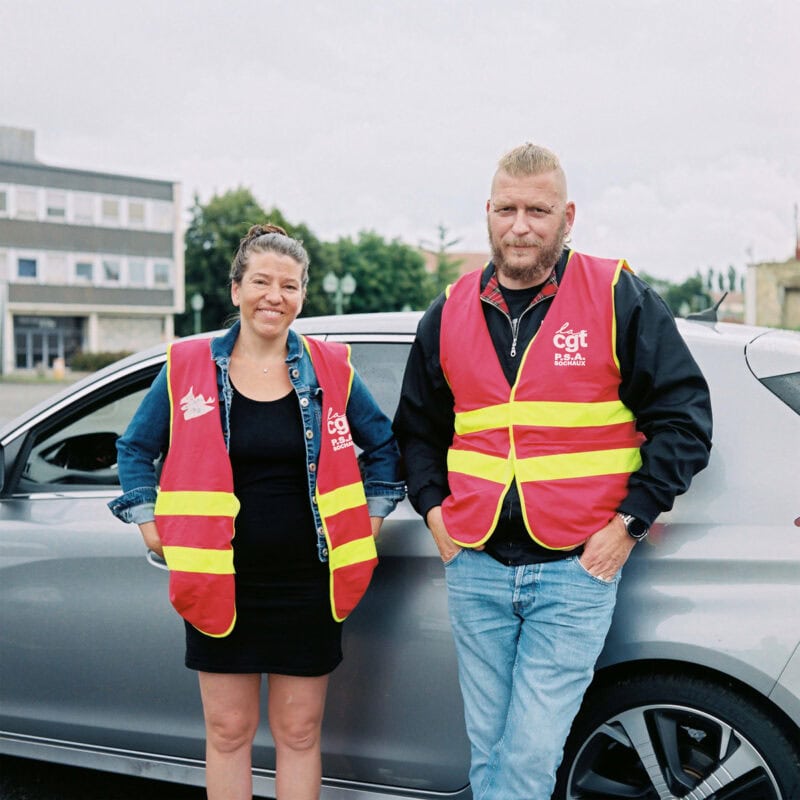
[283,614]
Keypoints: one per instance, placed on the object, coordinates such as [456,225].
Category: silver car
[696,695]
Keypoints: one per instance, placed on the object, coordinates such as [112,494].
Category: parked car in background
[696,694]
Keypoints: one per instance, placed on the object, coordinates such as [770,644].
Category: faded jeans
[527,639]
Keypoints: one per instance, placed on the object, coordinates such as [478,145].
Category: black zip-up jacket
[661,384]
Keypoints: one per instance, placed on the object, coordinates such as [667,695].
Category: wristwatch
[637,528]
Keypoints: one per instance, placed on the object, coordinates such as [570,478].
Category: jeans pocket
[601,581]
[454,558]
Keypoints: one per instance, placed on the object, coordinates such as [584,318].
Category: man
[550,411]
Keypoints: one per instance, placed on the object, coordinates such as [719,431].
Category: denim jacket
[147,436]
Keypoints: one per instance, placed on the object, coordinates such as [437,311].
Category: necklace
[253,361]
[266,370]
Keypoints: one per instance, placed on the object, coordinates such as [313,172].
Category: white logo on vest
[570,341]
[339,429]
[194,406]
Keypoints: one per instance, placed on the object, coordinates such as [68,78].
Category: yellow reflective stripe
[341,499]
[353,553]
[198,559]
[482,419]
[571,415]
[579,465]
[197,504]
[169,393]
[621,264]
[543,414]
[490,468]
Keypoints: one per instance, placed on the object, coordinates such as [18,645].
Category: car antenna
[708,314]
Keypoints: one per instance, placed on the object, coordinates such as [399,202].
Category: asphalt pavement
[18,395]
[23,779]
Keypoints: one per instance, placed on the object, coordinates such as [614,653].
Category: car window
[78,449]
[787,387]
[381,365]
[774,358]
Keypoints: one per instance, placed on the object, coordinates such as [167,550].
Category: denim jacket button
[312,467]
[309,434]
[303,401]
[295,373]
[325,552]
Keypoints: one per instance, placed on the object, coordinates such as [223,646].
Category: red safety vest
[561,431]
[196,507]
[339,493]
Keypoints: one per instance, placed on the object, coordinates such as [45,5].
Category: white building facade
[89,261]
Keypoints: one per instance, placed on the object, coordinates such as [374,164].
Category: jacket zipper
[514,332]
[514,323]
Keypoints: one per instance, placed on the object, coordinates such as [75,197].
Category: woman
[259,423]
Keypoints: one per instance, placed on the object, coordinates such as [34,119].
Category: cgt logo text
[339,429]
[570,342]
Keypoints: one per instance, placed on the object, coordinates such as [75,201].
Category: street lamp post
[3,307]
[340,288]
[197,302]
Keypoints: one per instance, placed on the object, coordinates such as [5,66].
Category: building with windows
[773,293]
[89,261]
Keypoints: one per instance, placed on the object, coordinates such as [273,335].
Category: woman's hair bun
[261,230]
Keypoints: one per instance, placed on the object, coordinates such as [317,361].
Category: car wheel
[668,736]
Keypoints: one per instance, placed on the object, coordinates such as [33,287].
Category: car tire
[666,735]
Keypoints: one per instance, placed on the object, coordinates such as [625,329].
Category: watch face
[637,528]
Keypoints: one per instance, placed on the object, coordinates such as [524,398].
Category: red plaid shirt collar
[492,293]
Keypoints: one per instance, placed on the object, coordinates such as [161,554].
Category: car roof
[396,323]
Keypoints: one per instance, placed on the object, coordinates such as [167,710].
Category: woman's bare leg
[231,710]
[296,706]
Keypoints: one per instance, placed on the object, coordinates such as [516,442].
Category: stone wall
[775,298]
[115,334]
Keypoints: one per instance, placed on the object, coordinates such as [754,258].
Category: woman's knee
[296,706]
[231,709]
[296,733]
[229,731]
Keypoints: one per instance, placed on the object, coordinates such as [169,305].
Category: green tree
[732,278]
[682,298]
[691,295]
[447,267]
[211,241]
[389,276]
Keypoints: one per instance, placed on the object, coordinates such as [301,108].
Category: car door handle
[155,560]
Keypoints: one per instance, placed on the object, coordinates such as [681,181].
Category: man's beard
[543,263]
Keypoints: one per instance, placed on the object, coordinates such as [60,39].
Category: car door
[394,715]
[92,650]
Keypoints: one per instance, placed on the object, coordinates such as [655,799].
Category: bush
[90,362]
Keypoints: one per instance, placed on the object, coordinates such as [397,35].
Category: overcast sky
[677,121]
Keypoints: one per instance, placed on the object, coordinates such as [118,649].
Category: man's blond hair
[529,159]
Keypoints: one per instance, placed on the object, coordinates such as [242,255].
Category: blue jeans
[527,639]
